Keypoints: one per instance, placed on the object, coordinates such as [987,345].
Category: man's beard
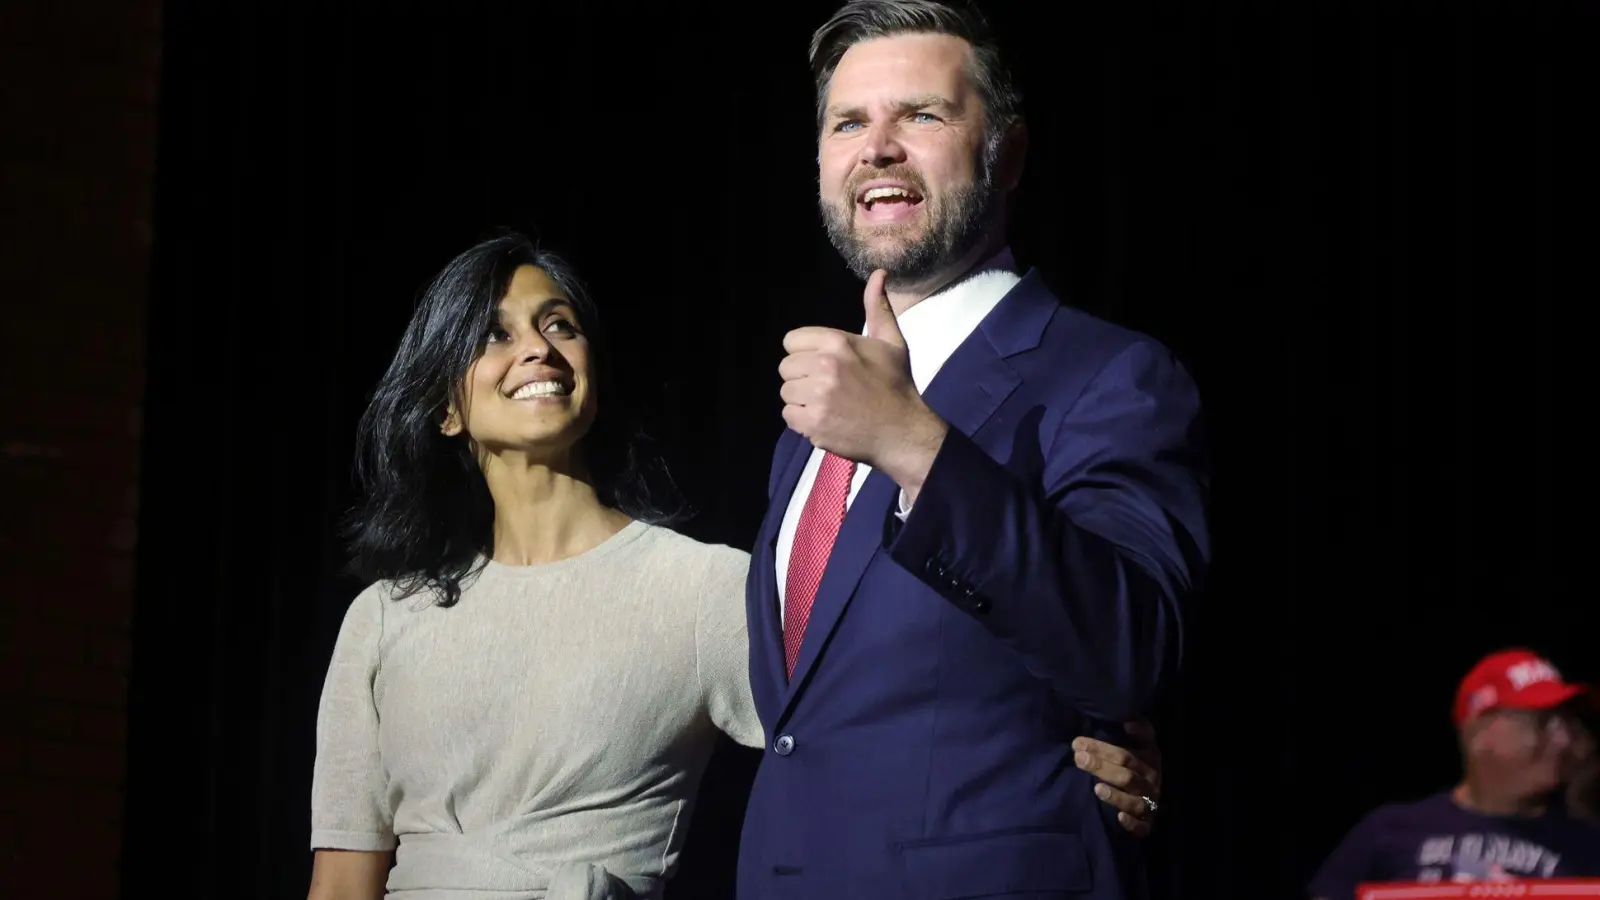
[956,222]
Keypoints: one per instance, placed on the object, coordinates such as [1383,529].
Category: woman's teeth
[539,389]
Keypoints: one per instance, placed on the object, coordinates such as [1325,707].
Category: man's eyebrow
[922,101]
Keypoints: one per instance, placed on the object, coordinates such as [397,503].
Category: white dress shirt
[933,329]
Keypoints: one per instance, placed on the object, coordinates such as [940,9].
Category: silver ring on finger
[1150,806]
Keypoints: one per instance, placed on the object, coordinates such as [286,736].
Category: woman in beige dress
[523,702]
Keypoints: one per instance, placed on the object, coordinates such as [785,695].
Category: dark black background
[1365,226]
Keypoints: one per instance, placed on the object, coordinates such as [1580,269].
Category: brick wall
[78,87]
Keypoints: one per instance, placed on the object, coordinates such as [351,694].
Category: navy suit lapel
[976,379]
[766,627]
[971,386]
[859,538]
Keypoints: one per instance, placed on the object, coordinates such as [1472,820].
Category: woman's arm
[1126,776]
[349,875]
[352,824]
[723,648]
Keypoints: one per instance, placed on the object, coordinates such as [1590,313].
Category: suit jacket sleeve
[1083,572]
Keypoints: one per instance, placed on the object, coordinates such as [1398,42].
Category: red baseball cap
[1513,679]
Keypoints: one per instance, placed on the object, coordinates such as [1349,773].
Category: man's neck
[904,296]
[1480,796]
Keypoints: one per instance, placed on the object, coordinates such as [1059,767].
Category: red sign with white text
[1543,889]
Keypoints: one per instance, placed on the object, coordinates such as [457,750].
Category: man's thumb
[881,323]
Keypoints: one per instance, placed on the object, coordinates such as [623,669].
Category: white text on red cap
[1531,672]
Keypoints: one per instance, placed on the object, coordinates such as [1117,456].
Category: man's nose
[1561,736]
[882,146]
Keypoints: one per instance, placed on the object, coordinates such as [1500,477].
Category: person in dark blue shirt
[1507,820]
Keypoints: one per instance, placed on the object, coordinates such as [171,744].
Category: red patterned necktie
[813,541]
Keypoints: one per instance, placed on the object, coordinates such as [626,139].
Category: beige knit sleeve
[349,786]
[723,647]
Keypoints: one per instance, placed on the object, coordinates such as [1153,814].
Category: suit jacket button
[980,604]
[784,745]
[934,570]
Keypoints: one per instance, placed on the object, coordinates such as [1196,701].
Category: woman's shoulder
[668,539]
[389,595]
[678,551]
[389,590]
[363,621]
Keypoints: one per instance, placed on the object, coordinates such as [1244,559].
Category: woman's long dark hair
[425,516]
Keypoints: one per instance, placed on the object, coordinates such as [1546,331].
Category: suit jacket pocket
[995,864]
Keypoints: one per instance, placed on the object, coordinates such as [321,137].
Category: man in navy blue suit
[986,516]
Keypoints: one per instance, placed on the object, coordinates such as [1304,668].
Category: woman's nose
[534,348]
